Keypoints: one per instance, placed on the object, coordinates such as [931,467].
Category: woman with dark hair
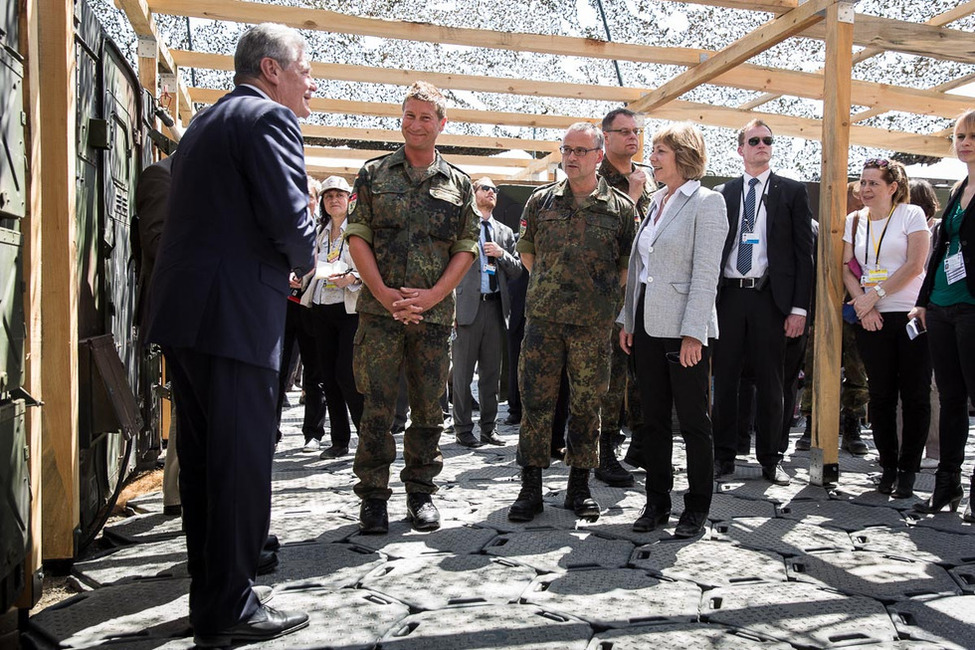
[669,320]
[886,244]
[947,305]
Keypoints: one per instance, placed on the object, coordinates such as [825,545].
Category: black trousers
[514,351]
[334,335]
[227,425]
[795,356]
[665,384]
[896,366]
[751,326]
[951,339]
[298,327]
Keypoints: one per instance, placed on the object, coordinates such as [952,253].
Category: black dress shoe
[491,438]
[775,474]
[333,452]
[468,440]
[887,479]
[650,519]
[264,624]
[272,543]
[173,511]
[421,511]
[690,524]
[724,468]
[373,517]
[267,562]
[513,418]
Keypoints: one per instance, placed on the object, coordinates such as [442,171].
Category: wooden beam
[143,24]
[59,300]
[761,39]
[771,6]
[538,166]
[340,23]
[828,335]
[909,38]
[363,155]
[940,88]
[445,139]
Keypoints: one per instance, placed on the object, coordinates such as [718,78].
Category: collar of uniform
[603,189]
[398,157]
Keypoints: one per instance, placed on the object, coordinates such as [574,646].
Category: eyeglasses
[578,151]
[489,188]
[624,132]
[882,163]
[768,140]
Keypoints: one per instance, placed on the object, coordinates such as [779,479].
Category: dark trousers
[795,355]
[665,384]
[299,327]
[751,326]
[951,339]
[334,330]
[226,443]
[514,351]
[897,365]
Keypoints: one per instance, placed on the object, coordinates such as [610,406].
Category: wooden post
[824,458]
[31,229]
[149,67]
[59,300]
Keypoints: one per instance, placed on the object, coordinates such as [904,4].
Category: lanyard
[758,206]
[876,245]
[328,238]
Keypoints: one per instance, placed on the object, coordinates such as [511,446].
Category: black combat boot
[529,501]
[610,471]
[851,440]
[578,498]
[947,492]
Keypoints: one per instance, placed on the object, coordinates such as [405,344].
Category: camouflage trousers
[382,347]
[854,394]
[584,353]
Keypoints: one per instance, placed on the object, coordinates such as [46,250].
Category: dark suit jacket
[508,266]
[966,234]
[238,223]
[789,237]
[152,206]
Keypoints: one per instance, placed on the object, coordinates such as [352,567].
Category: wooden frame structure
[49,44]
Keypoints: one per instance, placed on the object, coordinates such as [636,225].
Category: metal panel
[11,311]
[10,25]
[14,501]
[13,153]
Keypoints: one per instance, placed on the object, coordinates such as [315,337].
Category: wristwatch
[880,290]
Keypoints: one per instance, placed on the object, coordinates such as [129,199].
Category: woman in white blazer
[668,320]
[332,295]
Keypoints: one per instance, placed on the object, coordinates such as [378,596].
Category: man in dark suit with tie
[763,297]
[482,312]
[238,224]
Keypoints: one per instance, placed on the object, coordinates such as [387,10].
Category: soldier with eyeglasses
[575,240]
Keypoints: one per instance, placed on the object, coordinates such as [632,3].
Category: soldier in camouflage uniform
[636,181]
[575,239]
[412,232]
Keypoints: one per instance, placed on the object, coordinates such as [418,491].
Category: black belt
[745,283]
[491,296]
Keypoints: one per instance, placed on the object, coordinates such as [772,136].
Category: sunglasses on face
[488,188]
[768,140]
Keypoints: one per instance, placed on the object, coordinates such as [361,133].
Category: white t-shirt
[905,220]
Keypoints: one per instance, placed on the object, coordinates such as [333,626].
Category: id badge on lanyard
[954,268]
[873,277]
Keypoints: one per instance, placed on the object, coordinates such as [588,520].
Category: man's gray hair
[588,129]
[283,44]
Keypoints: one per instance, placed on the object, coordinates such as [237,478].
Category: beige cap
[335,183]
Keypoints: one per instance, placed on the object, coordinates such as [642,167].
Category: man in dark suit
[238,224]
[483,306]
[763,297]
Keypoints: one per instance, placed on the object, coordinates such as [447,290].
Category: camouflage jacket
[414,228]
[579,253]
[622,183]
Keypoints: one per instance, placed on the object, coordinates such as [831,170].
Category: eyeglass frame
[767,140]
[578,152]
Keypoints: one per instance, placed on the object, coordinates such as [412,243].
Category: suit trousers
[665,384]
[584,353]
[226,443]
[382,348]
[751,326]
[334,331]
[896,366]
[298,327]
[515,336]
[480,343]
[951,339]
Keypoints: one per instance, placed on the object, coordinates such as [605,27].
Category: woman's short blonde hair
[690,152]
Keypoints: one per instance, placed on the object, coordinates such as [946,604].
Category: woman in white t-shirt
[883,270]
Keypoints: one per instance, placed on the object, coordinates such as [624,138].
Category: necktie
[492,277]
[744,262]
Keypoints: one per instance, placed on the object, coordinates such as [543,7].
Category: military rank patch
[523,227]
[352,199]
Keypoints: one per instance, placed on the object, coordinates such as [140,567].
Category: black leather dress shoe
[265,624]
[373,517]
[690,524]
[513,418]
[272,543]
[650,519]
[421,511]
[775,474]
[468,440]
[266,562]
[491,438]
[724,468]
[333,452]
